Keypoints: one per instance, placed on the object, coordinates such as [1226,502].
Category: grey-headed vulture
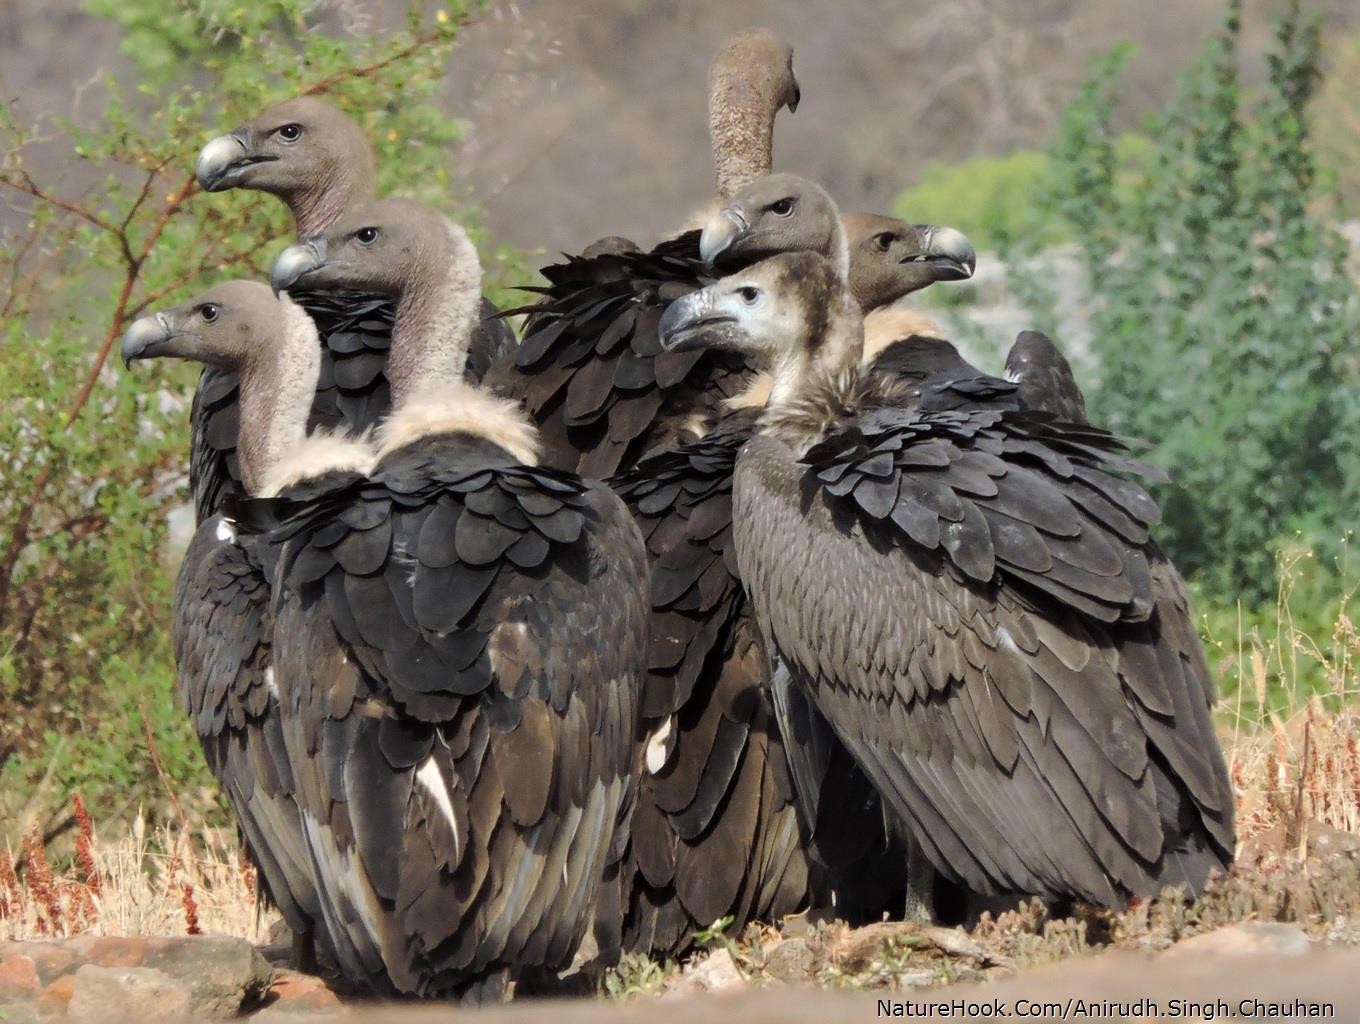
[316,159]
[716,833]
[460,637]
[223,623]
[971,598]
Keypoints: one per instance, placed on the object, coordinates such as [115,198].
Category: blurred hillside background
[1171,189]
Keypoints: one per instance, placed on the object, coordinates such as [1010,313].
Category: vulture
[460,636]
[223,624]
[970,597]
[317,160]
[716,831]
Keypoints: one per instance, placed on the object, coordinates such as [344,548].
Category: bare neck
[741,128]
[276,399]
[812,382]
[434,320]
[341,190]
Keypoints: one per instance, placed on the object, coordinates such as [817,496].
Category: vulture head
[793,307]
[394,247]
[750,80]
[305,151]
[778,213]
[890,258]
[231,327]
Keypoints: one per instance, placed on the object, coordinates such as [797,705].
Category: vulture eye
[209,312]
[366,236]
[749,295]
[782,207]
[289,132]
[884,241]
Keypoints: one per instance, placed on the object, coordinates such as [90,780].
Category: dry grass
[168,880]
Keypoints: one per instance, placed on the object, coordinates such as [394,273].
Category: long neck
[435,316]
[741,128]
[337,191]
[276,399]
[812,381]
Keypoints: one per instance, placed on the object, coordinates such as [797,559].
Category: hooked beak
[690,321]
[720,233]
[223,159]
[296,262]
[146,338]
[948,252]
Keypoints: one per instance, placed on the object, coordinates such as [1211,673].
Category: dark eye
[782,207]
[884,241]
[289,132]
[366,236]
[749,295]
[208,312]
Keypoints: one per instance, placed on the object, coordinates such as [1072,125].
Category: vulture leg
[921,876]
[303,956]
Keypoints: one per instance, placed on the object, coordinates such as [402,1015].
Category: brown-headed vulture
[316,160]
[971,598]
[460,638]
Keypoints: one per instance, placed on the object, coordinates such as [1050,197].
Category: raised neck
[341,191]
[435,315]
[741,115]
[276,399]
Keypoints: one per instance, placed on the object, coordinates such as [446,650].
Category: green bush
[91,458]
[1224,316]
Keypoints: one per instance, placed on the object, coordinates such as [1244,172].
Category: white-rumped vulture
[316,160]
[461,638]
[716,833]
[223,623]
[971,598]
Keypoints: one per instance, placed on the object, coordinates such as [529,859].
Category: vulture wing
[222,632]
[591,373]
[715,833]
[969,598]
[463,640]
[1045,377]
[351,392]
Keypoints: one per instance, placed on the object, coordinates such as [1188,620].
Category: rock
[715,973]
[294,995]
[1251,938]
[127,994]
[56,997]
[18,978]
[222,975]
[792,961]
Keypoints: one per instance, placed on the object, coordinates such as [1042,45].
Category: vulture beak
[948,252]
[296,262]
[146,339]
[222,160]
[722,230]
[795,94]
[693,321]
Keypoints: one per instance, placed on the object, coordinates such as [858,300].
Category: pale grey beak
[221,161]
[695,321]
[297,261]
[143,337]
[948,252]
[720,233]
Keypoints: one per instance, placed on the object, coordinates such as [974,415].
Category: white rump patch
[892,323]
[428,775]
[226,530]
[755,395]
[661,745]
[460,408]
[321,453]
[269,682]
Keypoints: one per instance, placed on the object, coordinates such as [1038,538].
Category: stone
[18,978]
[297,994]
[127,994]
[717,972]
[56,997]
[791,961]
[1252,938]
